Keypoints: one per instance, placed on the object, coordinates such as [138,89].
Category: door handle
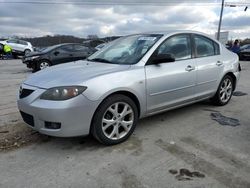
[189,68]
[219,63]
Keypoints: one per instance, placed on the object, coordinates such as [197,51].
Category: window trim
[179,34]
[202,36]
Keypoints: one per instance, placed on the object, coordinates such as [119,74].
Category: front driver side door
[173,83]
[62,54]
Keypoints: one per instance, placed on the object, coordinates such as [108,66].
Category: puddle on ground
[239,93]
[201,164]
[223,120]
[185,174]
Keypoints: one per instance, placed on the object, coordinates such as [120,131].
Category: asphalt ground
[196,146]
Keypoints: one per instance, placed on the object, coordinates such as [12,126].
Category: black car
[57,54]
[244,53]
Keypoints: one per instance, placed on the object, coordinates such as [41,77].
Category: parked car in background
[244,53]
[19,47]
[57,54]
[136,76]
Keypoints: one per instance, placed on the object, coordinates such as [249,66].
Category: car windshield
[45,50]
[126,50]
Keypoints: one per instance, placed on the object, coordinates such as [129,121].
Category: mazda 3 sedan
[133,77]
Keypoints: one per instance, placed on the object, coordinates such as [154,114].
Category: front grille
[27,118]
[25,93]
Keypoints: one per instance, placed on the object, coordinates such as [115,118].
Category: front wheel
[42,65]
[224,92]
[114,120]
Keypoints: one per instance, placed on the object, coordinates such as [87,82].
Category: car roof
[68,44]
[173,32]
[168,32]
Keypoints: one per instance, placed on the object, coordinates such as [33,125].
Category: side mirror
[56,53]
[162,58]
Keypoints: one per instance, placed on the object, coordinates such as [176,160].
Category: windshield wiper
[100,60]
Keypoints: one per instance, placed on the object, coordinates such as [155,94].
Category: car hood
[74,73]
[34,54]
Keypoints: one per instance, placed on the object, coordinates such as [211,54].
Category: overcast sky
[107,18]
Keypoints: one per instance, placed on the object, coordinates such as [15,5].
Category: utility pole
[221,13]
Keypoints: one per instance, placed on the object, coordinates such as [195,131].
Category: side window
[80,48]
[12,41]
[66,48]
[178,46]
[204,46]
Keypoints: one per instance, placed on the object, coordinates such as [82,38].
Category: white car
[19,47]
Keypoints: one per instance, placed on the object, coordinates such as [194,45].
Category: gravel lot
[195,146]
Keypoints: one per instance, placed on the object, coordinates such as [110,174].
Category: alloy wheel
[226,90]
[117,120]
[44,65]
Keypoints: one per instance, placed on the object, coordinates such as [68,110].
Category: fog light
[52,125]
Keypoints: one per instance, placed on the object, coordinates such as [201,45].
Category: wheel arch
[95,128]
[45,59]
[26,49]
[37,63]
[127,94]
[233,77]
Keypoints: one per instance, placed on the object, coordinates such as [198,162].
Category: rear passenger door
[209,65]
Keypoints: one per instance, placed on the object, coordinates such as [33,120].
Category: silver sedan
[130,78]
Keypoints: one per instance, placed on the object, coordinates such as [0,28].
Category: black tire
[216,100]
[26,51]
[96,127]
[37,67]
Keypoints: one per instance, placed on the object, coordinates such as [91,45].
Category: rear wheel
[26,51]
[114,120]
[224,92]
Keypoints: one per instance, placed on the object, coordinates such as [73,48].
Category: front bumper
[29,63]
[237,75]
[74,115]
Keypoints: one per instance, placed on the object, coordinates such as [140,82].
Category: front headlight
[35,57]
[62,93]
[32,57]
